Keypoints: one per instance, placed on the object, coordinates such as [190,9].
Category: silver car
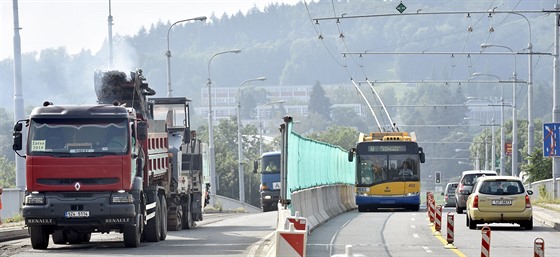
[464,188]
[449,199]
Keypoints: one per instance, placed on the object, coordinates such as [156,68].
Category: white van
[464,189]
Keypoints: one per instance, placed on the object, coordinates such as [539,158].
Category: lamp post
[240,141]
[260,123]
[502,132]
[168,53]
[514,153]
[486,144]
[211,165]
[493,165]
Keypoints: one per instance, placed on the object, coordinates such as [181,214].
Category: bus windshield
[375,169]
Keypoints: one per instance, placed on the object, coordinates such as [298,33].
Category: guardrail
[543,186]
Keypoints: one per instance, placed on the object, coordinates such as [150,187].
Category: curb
[13,234]
[546,219]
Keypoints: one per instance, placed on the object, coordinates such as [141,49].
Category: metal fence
[545,186]
[12,200]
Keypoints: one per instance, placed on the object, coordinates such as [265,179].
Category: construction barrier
[348,253]
[438,221]
[432,208]
[539,247]
[485,246]
[291,242]
[450,228]
[300,223]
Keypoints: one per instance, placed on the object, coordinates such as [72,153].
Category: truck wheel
[74,237]
[163,217]
[131,235]
[59,237]
[39,237]
[152,233]
[86,237]
[188,222]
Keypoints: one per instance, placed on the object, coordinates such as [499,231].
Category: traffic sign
[551,137]
[401,8]
[508,149]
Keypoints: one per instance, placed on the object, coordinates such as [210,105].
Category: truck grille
[72,181]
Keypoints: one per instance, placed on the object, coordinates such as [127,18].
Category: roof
[500,178]
[479,171]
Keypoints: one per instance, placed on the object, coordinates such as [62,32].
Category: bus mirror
[422,155]
[255,166]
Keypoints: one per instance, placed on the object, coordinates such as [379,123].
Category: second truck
[128,164]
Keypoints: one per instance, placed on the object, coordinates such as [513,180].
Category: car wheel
[528,225]
[467,220]
[458,209]
[472,223]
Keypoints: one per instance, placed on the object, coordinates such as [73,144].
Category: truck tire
[175,218]
[132,234]
[152,233]
[163,217]
[39,237]
[59,237]
[86,237]
[188,221]
[74,237]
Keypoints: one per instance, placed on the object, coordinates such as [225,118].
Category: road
[217,235]
[404,233]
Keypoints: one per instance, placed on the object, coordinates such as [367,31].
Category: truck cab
[270,180]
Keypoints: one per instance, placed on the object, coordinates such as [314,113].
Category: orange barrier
[539,247]
[485,246]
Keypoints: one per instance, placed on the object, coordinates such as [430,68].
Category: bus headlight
[413,194]
[35,199]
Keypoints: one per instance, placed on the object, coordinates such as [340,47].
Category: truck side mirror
[255,166]
[351,154]
[187,135]
[18,141]
[142,130]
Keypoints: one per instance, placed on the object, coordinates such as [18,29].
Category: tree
[319,103]
[539,167]
[7,173]
[345,137]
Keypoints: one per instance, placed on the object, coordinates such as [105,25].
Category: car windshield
[501,187]
[451,188]
[469,179]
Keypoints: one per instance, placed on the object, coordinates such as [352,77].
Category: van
[464,188]
[449,199]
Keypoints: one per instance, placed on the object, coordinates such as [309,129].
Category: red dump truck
[128,164]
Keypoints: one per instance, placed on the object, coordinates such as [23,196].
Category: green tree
[539,167]
[345,137]
[319,103]
[7,173]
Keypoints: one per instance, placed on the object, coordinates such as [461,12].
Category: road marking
[444,241]
[415,235]
[413,219]
[427,249]
[412,226]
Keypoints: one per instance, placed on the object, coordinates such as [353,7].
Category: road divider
[450,231]
[485,245]
[539,247]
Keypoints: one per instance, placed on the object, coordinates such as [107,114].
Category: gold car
[499,199]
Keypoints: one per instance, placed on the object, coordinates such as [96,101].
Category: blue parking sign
[551,139]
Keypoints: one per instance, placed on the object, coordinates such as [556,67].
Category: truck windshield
[76,136]
[271,164]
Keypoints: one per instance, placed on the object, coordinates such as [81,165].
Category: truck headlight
[35,199]
[121,198]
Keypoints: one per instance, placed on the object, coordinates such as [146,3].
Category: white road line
[412,226]
[415,235]
[427,249]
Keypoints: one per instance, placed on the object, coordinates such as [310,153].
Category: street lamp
[240,141]
[168,53]
[486,144]
[260,123]
[514,153]
[502,132]
[211,128]
[493,166]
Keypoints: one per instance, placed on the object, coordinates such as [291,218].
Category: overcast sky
[82,24]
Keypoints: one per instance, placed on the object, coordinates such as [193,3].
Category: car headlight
[35,199]
[267,197]
[121,197]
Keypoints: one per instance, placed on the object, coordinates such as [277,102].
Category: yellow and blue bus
[387,171]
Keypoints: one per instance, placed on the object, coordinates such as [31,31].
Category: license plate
[501,202]
[76,214]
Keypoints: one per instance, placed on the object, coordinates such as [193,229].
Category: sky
[82,24]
